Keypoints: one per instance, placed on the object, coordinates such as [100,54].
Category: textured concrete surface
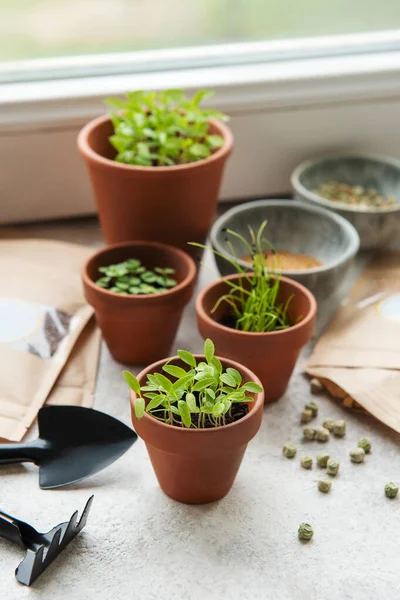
[139,544]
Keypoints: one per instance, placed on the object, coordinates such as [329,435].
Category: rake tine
[85,515]
[72,526]
[54,548]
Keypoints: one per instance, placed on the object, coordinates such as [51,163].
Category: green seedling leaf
[155,402]
[253,388]
[202,384]
[209,350]
[132,382]
[235,374]
[174,371]
[218,409]
[191,402]
[187,357]
[164,383]
[228,379]
[184,412]
[217,364]
[139,407]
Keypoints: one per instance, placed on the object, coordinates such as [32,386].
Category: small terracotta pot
[174,205]
[272,356]
[139,329]
[196,466]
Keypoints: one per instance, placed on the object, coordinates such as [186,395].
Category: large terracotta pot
[272,356]
[174,205]
[196,466]
[139,329]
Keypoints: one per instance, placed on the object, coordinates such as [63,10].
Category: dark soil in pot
[272,355]
[196,466]
[139,329]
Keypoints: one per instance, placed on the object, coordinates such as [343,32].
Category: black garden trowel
[73,443]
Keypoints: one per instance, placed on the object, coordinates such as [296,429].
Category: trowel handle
[17,453]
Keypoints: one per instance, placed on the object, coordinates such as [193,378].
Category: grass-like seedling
[202,396]
[253,300]
[163,129]
[131,277]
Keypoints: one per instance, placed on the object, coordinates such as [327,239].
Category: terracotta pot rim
[298,287]
[88,152]
[140,297]
[257,403]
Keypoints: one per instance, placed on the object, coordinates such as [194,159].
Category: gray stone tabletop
[139,544]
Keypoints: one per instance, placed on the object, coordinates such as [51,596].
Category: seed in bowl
[281,260]
[355,195]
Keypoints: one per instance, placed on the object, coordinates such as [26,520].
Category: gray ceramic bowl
[376,226]
[297,228]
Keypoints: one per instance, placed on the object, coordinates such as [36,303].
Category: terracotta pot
[196,466]
[139,329]
[174,205]
[272,356]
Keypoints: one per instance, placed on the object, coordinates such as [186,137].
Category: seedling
[163,129]
[255,306]
[130,277]
[203,395]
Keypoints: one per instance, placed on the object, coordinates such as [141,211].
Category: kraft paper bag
[358,357]
[49,345]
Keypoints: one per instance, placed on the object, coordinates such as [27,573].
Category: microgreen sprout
[131,277]
[253,299]
[163,129]
[203,395]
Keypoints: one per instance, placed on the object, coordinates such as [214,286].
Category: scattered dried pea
[357,455]
[322,459]
[289,450]
[332,467]
[316,386]
[339,428]
[306,462]
[391,490]
[313,407]
[306,416]
[305,531]
[324,485]
[322,434]
[328,424]
[309,433]
[365,444]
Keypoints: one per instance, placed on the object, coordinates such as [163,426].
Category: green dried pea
[289,450]
[305,532]
[322,459]
[339,428]
[391,490]
[332,467]
[316,386]
[313,407]
[328,424]
[357,455]
[306,416]
[324,485]
[322,434]
[306,462]
[309,433]
[365,444]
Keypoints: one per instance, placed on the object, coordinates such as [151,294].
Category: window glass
[48,28]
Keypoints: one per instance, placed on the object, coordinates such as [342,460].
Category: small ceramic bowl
[376,226]
[294,227]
